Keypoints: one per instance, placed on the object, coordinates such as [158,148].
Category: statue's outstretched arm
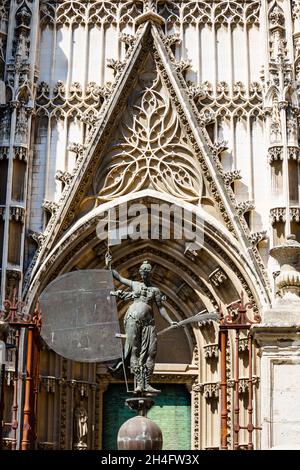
[162,310]
[116,275]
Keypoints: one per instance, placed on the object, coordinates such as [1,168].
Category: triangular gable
[102,160]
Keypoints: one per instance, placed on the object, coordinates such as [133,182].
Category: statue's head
[145,270]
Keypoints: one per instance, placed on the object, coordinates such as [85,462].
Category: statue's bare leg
[150,360]
[133,340]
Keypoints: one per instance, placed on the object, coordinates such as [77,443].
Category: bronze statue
[141,337]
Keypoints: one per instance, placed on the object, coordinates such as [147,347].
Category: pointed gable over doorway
[149,136]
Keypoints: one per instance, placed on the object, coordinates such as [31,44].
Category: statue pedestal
[80,446]
[140,432]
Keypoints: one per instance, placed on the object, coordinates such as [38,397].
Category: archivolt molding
[82,236]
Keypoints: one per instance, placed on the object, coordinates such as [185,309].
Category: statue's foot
[150,389]
[138,389]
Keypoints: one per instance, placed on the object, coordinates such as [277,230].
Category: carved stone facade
[193,104]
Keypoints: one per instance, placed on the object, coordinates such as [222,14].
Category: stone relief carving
[150,149]
[50,206]
[278,214]
[231,176]
[295,214]
[245,206]
[198,12]
[211,351]
[257,237]
[217,277]
[17,213]
[294,153]
[275,153]
[101,12]
[38,237]
[64,176]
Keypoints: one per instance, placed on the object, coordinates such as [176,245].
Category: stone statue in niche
[80,428]
[141,337]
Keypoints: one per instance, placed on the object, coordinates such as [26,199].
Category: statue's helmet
[145,267]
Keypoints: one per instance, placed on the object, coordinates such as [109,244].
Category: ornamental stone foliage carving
[278,214]
[243,344]
[150,149]
[93,12]
[295,214]
[226,100]
[294,153]
[2,212]
[245,206]
[243,386]
[116,65]
[4,151]
[197,12]
[231,176]
[217,12]
[50,206]
[274,154]
[84,104]
[210,390]
[211,351]
[38,237]
[64,176]
[257,237]
[17,213]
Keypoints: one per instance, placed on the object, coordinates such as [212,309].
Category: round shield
[79,316]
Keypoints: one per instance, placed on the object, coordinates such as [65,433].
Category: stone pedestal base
[280,377]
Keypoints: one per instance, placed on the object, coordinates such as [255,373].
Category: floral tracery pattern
[150,149]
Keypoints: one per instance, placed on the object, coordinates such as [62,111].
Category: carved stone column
[279,339]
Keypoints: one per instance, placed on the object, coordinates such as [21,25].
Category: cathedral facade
[128,106]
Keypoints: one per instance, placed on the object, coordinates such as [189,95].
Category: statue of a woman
[80,427]
[141,337]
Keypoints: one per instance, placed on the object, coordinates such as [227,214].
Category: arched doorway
[191,280]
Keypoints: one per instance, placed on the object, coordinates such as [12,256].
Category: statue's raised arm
[116,275]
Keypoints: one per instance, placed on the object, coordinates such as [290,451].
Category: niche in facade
[277,183]
[14,242]
[3,181]
[1,240]
[18,180]
[293,182]
[278,234]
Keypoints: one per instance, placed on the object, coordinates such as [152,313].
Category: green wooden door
[172,412]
